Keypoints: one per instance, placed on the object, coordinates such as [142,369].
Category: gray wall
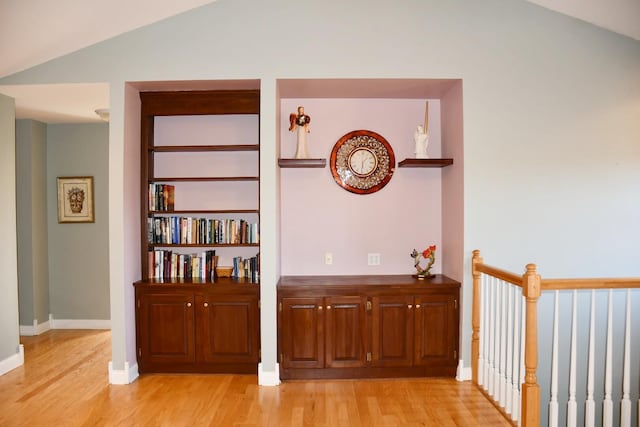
[33,266]
[550,121]
[9,326]
[78,252]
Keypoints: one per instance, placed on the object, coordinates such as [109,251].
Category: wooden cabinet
[367,326]
[302,332]
[197,328]
[392,330]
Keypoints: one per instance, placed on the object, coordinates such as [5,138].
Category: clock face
[362,162]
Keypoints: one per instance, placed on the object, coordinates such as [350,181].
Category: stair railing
[504,346]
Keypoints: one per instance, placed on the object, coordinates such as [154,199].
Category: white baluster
[523,317]
[492,335]
[553,404]
[487,332]
[483,326]
[503,340]
[590,405]
[607,404]
[571,404]
[515,386]
[509,370]
[625,404]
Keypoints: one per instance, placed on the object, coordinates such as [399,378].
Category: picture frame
[75,199]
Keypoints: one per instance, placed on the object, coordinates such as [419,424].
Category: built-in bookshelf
[200,211]
[200,185]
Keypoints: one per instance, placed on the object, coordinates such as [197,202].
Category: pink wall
[318,216]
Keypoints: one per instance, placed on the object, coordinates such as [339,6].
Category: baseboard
[36,329]
[123,376]
[463,374]
[12,362]
[268,378]
[80,324]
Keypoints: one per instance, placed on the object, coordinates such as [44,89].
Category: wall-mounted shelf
[425,163]
[302,163]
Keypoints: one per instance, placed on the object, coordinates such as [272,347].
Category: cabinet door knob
[188,304]
[417,305]
[319,307]
[410,306]
[206,304]
[328,307]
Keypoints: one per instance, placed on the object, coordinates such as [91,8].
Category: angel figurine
[301,122]
[421,138]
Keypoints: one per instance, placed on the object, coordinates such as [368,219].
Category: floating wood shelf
[302,163]
[425,163]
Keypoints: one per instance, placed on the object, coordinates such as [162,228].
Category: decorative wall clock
[362,162]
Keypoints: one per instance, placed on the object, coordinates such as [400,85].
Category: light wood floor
[64,382]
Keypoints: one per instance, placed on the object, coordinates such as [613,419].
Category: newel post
[475,316]
[531,288]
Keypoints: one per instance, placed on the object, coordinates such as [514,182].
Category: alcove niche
[420,206]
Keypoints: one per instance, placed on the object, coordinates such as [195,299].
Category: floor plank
[64,382]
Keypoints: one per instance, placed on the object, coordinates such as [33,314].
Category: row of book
[163,264]
[162,197]
[247,268]
[204,231]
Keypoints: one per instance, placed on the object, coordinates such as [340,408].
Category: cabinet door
[227,328]
[436,330]
[302,333]
[165,328]
[392,330]
[345,331]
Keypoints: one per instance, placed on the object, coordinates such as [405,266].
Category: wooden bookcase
[206,323]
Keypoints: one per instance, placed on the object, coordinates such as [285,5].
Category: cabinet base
[239,368]
[368,372]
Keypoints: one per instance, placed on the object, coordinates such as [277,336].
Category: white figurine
[422,141]
[301,122]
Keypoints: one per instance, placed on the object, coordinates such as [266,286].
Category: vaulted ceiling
[35,31]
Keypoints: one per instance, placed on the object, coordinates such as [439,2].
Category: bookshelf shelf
[425,163]
[203,245]
[204,179]
[206,211]
[197,148]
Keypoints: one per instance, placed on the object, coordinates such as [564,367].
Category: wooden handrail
[499,273]
[579,284]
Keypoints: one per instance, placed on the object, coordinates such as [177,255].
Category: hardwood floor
[64,382]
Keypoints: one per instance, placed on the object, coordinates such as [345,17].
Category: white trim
[123,376]
[80,324]
[36,329]
[463,374]
[268,378]
[12,362]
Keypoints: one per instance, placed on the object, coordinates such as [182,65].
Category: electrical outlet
[328,258]
[373,259]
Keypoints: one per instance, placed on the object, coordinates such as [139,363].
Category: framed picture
[75,199]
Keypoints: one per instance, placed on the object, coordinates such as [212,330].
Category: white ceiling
[35,31]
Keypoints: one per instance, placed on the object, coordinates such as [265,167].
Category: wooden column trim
[475,316]
[530,414]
